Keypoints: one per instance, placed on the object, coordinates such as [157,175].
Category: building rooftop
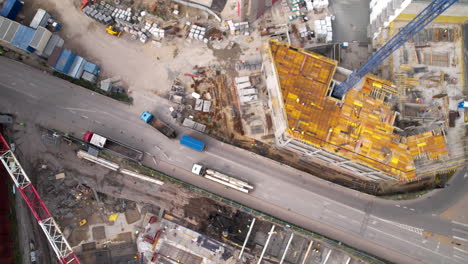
[360,127]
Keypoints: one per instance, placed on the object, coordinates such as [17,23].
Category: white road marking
[412,209]
[397,205]
[459,230]
[78,109]
[416,245]
[460,238]
[461,250]
[466,175]
[458,223]
[456,256]
[85,117]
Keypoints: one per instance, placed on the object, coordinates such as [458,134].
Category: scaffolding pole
[246,239]
[266,244]
[286,249]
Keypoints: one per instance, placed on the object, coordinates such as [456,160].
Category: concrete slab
[352,18]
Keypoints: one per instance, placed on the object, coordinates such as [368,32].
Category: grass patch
[93,87]
[406,196]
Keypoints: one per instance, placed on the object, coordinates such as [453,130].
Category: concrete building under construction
[356,134]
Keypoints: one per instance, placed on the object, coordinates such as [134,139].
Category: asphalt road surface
[392,230]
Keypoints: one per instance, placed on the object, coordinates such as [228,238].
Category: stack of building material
[323,28]
[303,31]
[11,9]
[241,28]
[246,92]
[154,30]
[320,4]
[123,14]
[198,32]
[309,5]
[104,13]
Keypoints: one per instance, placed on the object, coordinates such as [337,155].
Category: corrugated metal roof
[23,37]
[40,19]
[11,31]
[54,56]
[40,39]
[11,8]
[89,77]
[4,25]
[54,41]
[92,68]
[76,69]
[65,61]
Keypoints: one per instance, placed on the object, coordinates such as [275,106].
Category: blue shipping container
[23,37]
[11,9]
[192,143]
[92,68]
[65,61]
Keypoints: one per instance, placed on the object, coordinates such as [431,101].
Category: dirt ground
[144,68]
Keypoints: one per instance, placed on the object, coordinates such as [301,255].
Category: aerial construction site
[234,131]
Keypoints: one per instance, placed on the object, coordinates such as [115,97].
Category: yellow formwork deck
[359,128]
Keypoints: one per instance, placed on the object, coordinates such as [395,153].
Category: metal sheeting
[4,25]
[76,69]
[40,39]
[11,31]
[54,41]
[89,77]
[92,68]
[54,56]
[40,19]
[65,61]
[23,37]
[11,8]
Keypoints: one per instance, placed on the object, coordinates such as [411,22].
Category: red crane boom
[44,218]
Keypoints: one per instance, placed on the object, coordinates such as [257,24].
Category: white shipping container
[243,85]
[242,79]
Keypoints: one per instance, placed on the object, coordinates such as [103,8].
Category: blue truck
[192,143]
[158,124]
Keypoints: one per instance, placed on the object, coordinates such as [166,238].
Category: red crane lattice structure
[44,218]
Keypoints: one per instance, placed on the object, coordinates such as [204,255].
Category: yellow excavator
[112,31]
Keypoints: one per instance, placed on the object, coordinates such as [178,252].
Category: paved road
[394,231]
